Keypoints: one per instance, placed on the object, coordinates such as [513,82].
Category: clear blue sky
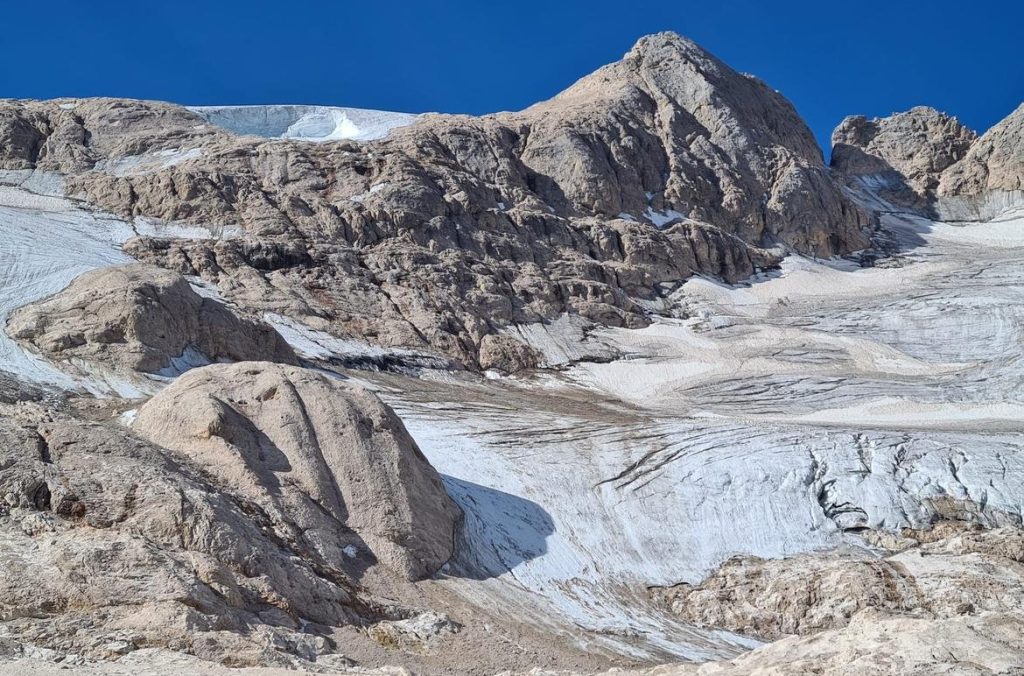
[830,58]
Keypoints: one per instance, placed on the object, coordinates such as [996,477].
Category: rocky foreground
[629,378]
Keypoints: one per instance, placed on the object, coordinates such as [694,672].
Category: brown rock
[328,460]
[143,318]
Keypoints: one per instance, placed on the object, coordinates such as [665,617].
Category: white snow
[152,227]
[189,359]
[771,420]
[45,242]
[138,165]
[127,418]
[48,183]
[663,219]
[307,123]
[1007,232]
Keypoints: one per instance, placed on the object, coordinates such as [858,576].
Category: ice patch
[137,165]
[128,417]
[152,227]
[663,219]
[306,123]
[46,242]
[1004,233]
[190,359]
[48,183]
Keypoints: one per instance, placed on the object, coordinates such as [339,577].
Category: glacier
[305,123]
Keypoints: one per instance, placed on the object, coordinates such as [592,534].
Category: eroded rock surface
[239,532]
[111,544]
[919,145]
[327,462]
[967,573]
[875,643]
[146,319]
[662,165]
[922,153]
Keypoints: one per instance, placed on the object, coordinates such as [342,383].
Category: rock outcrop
[875,643]
[917,145]
[929,160]
[146,319]
[966,573]
[258,506]
[994,162]
[110,544]
[654,168]
[329,463]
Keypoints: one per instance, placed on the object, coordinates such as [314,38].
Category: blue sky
[831,59]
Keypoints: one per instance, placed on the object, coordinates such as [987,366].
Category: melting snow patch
[662,219]
[135,165]
[47,242]
[39,182]
[191,358]
[152,227]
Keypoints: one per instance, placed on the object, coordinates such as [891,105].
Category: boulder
[327,460]
[146,319]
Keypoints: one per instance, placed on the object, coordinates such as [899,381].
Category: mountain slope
[665,164]
[928,158]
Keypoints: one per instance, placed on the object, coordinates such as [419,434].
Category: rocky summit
[629,381]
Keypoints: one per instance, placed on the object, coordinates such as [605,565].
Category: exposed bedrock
[260,500]
[105,535]
[931,576]
[929,160]
[664,164]
[146,319]
[327,461]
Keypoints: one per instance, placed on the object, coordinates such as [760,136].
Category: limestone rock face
[995,162]
[328,462]
[664,164]
[143,318]
[670,128]
[961,574]
[951,172]
[110,543]
[919,145]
